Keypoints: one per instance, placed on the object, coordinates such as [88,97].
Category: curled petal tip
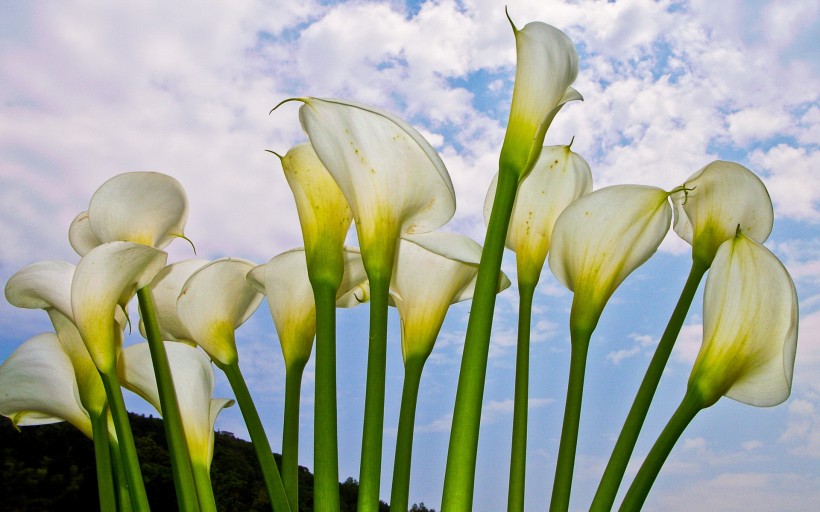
[303,100]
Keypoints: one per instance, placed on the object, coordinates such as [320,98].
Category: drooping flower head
[433,271]
[284,280]
[193,378]
[38,386]
[717,200]
[214,302]
[750,319]
[601,238]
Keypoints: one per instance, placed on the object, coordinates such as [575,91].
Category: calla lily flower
[38,386]
[194,384]
[149,208]
[717,199]
[284,280]
[81,236]
[108,276]
[392,178]
[600,239]
[547,64]
[559,177]
[324,214]
[433,271]
[165,289]
[214,302]
[47,285]
[750,318]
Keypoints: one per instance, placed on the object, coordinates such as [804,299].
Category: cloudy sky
[89,89]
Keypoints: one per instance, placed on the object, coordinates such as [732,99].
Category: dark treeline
[51,467]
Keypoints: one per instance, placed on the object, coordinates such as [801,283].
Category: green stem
[518,455]
[123,498]
[372,431]
[614,472]
[290,433]
[204,490]
[177,447]
[325,440]
[128,451]
[572,417]
[459,478]
[400,491]
[638,491]
[102,456]
[270,472]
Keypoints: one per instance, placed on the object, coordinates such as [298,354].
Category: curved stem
[204,490]
[614,472]
[572,417]
[372,431]
[518,455]
[459,478]
[102,456]
[638,491]
[171,420]
[400,490]
[270,472]
[325,440]
[290,433]
[128,451]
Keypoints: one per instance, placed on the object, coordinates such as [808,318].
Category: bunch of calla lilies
[367,166]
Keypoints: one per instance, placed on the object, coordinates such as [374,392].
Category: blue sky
[92,89]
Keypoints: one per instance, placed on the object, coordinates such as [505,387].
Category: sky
[90,89]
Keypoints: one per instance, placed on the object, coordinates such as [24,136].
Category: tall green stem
[204,490]
[270,472]
[102,456]
[614,472]
[325,436]
[128,451]
[290,433]
[372,431]
[638,491]
[518,455]
[400,491]
[459,478]
[572,417]
[123,498]
[171,420]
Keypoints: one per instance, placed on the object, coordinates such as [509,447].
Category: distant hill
[51,467]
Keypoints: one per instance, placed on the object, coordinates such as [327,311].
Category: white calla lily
[47,285]
[547,64]
[600,239]
[717,199]
[558,178]
[81,236]
[324,214]
[284,280]
[433,271]
[38,386]
[149,208]
[392,178]
[193,377]
[108,276]
[750,319]
[214,302]
[165,290]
